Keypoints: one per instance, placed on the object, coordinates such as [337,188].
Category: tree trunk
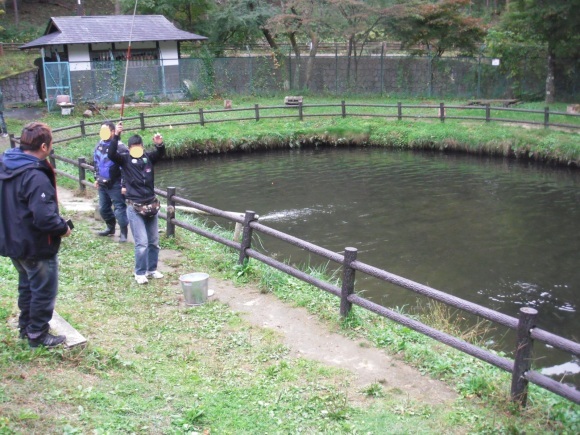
[550,86]
[270,39]
[16,16]
[296,50]
[314,41]
[117,7]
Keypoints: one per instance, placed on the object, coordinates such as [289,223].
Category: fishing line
[128,57]
[105,132]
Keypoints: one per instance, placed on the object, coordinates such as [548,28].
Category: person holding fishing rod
[108,176]
[143,205]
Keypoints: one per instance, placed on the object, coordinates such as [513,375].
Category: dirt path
[302,333]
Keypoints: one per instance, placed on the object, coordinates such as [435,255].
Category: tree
[554,24]
[301,17]
[438,28]
[239,23]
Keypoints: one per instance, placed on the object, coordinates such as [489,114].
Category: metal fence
[325,74]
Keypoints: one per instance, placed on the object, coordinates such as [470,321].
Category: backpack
[103,164]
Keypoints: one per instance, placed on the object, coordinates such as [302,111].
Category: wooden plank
[505,103]
[59,326]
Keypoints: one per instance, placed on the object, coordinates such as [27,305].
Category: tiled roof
[110,28]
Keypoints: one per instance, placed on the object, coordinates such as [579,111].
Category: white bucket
[194,287]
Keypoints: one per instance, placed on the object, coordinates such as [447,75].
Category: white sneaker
[155,274]
[141,279]
[4,134]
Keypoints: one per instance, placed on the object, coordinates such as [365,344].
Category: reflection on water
[495,232]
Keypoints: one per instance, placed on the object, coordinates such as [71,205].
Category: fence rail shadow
[527,332]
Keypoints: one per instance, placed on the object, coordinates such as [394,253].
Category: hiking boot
[110,230]
[46,340]
[155,274]
[141,279]
[123,236]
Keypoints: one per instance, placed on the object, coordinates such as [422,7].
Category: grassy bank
[466,136]
[155,366]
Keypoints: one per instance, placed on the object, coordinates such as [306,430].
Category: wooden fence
[442,112]
[525,326]
[527,332]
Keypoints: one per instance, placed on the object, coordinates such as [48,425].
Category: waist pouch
[147,209]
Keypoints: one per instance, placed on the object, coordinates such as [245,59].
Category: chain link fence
[386,74]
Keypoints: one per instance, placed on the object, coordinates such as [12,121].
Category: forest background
[508,29]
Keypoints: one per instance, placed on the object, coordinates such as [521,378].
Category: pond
[497,232]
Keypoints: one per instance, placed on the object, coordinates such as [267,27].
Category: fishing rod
[105,133]
[128,58]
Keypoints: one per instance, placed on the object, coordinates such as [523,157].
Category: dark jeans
[37,289]
[110,197]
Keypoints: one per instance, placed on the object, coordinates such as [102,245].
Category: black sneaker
[46,340]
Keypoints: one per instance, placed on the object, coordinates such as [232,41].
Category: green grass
[154,366]
[467,136]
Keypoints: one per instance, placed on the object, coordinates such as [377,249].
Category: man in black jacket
[31,229]
[137,166]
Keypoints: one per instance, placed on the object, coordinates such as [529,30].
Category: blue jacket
[30,224]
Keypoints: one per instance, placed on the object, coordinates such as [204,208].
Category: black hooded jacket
[138,173]
[30,224]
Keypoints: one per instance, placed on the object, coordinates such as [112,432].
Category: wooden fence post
[487,113]
[246,235]
[51,159]
[399,110]
[201,120]
[83,130]
[142,120]
[348,274]
[343,108]
[12,141]
[300,112]
[257,110]
[523,360]
[442,112]
[546,117]
[82,173]
[170,229]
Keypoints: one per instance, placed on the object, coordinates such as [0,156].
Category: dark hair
[135,140]
[110,125]
[34,135]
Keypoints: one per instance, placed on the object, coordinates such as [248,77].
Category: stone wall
[20,88]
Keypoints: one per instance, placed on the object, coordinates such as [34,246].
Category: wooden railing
[540,118]
[525,326]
